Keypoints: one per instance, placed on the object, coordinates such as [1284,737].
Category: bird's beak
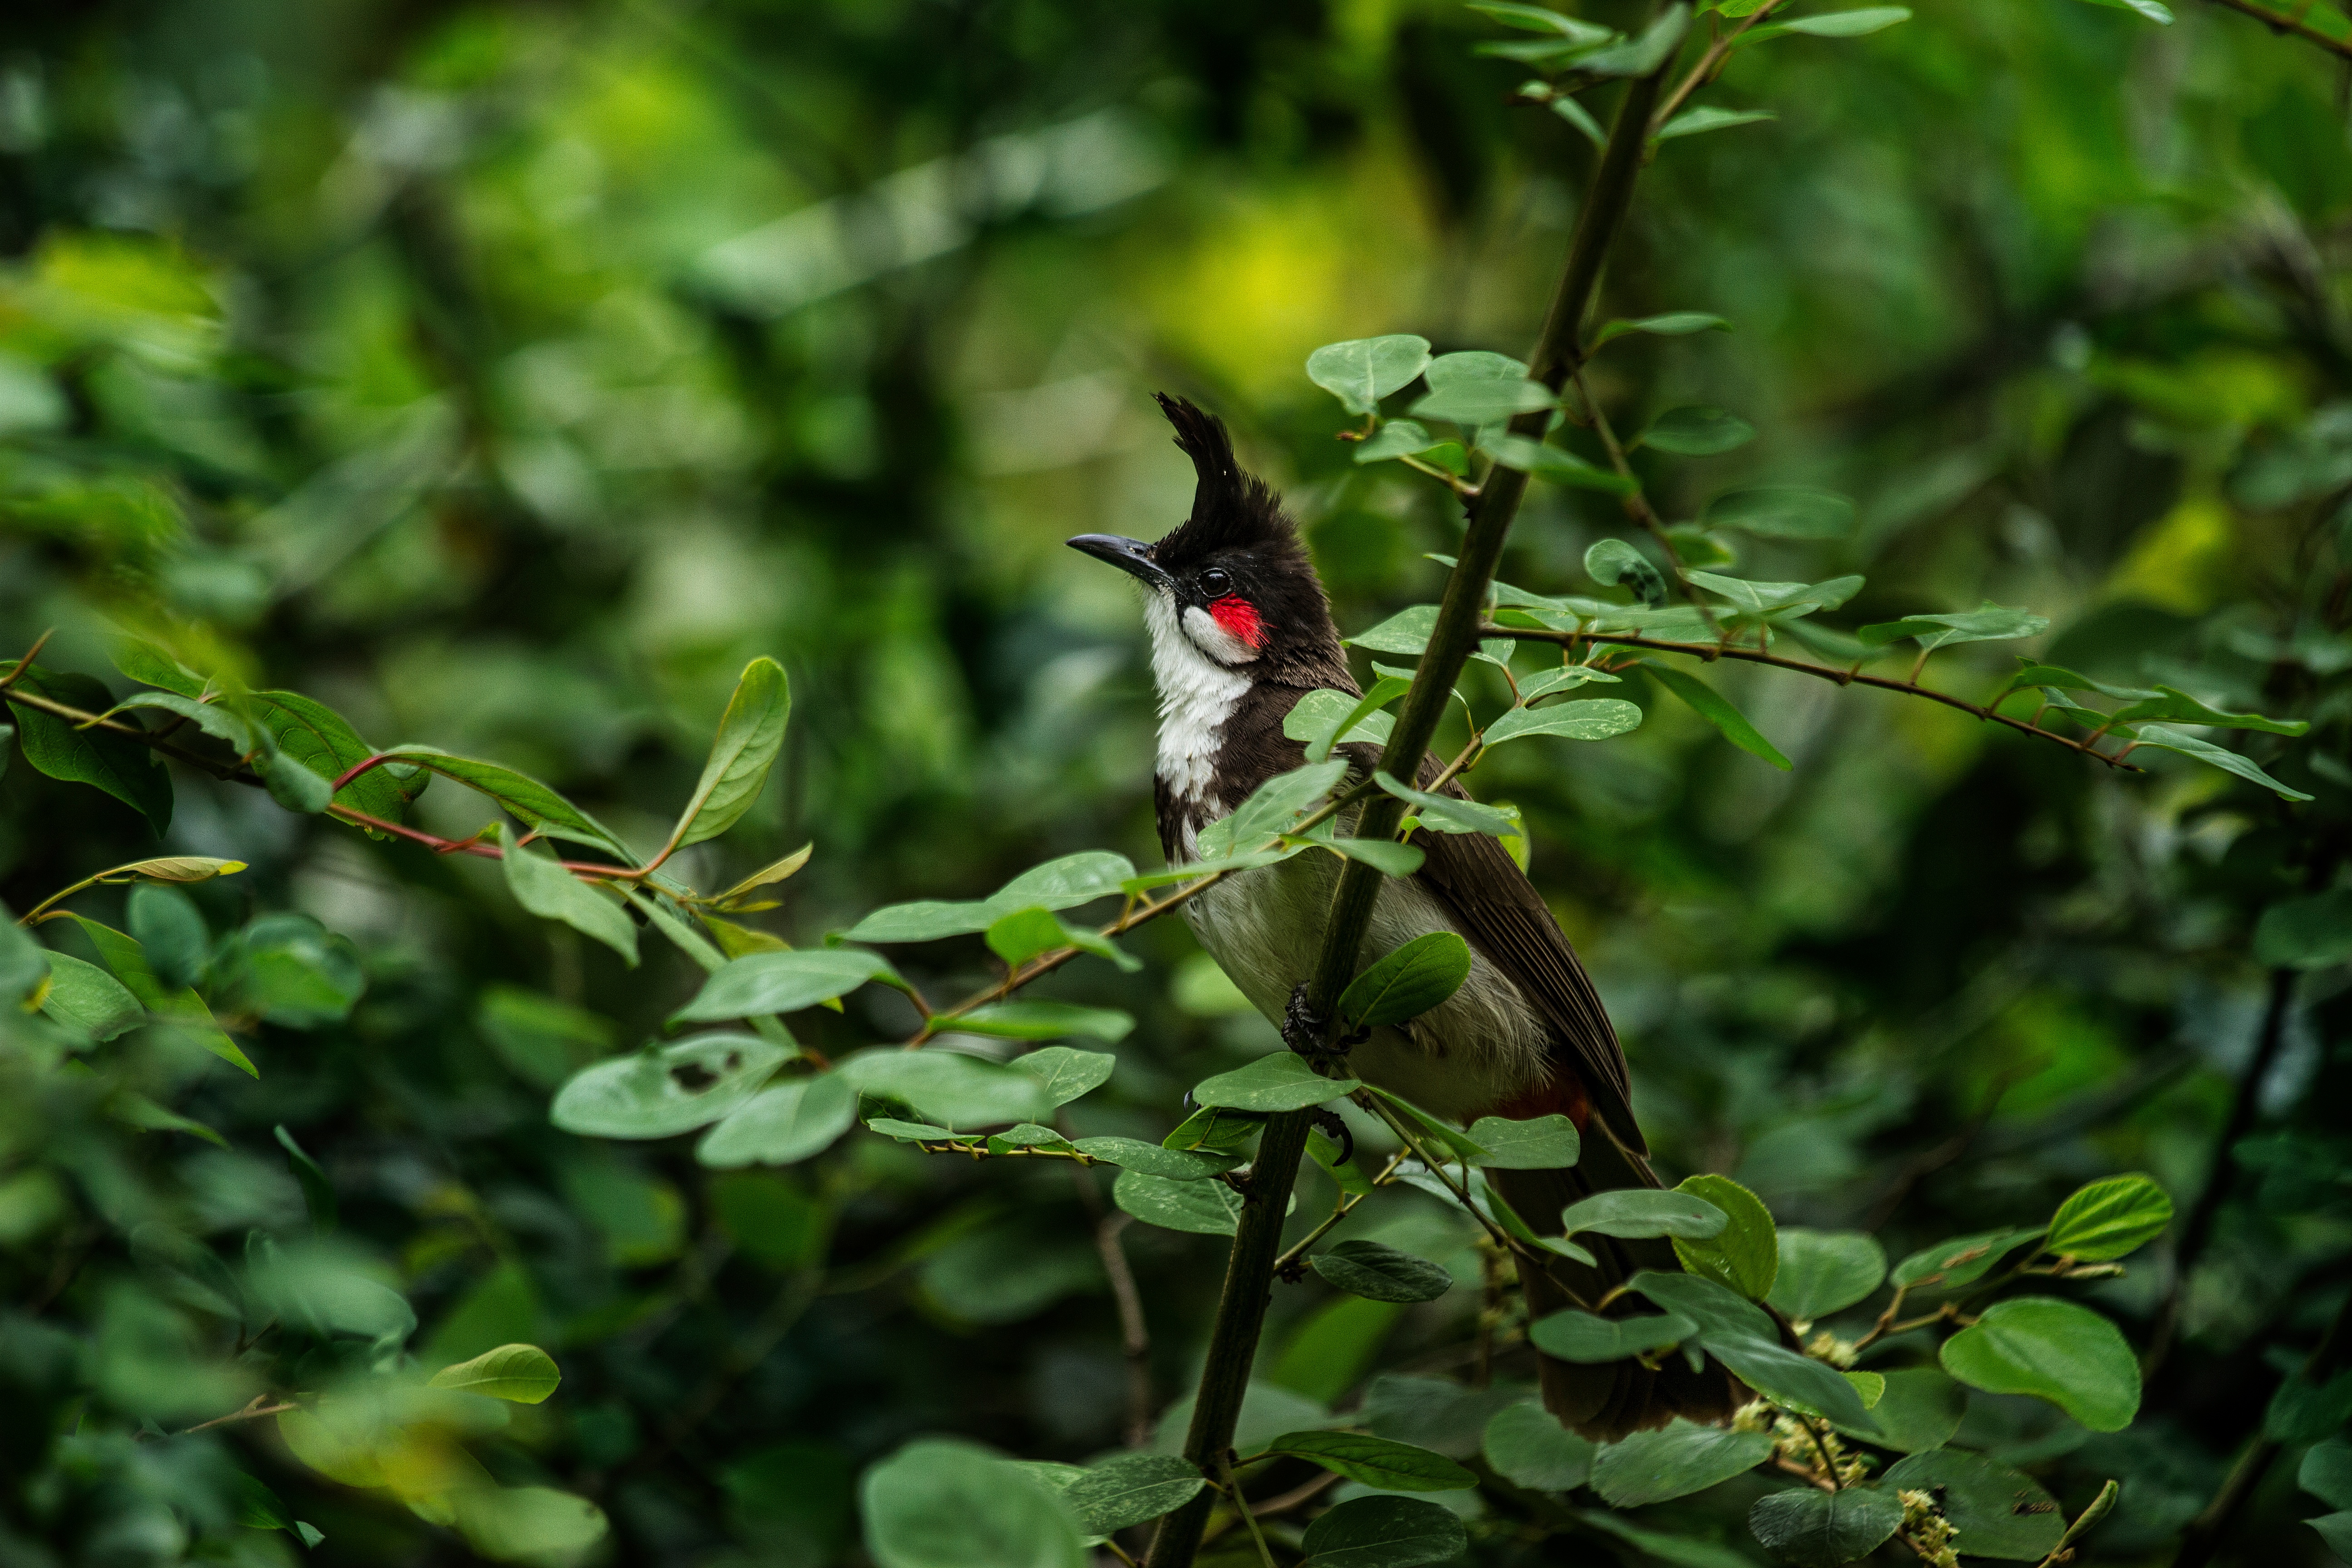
[1130,555]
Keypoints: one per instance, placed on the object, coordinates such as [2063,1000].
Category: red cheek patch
[1239,617]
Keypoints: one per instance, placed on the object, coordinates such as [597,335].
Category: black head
[1237,560]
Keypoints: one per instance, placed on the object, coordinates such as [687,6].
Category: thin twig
[253,1410]
[2285,24]
[1712,651]
[1709,65]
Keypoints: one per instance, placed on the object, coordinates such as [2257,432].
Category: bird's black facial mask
[1211,603]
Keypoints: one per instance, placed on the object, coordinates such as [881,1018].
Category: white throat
[1197,695]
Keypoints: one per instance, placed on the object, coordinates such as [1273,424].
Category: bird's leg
[1308,1032]
[1329,1123]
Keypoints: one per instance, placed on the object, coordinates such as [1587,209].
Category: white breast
[1197,695]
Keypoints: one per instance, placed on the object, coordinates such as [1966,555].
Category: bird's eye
[1215,582]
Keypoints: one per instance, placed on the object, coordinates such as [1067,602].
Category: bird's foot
[1308,1033]
[1329,1123]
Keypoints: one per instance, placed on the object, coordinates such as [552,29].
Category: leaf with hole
[1362,370]
[666,1089]
[1610,562]
[1380,1273]
[2000,1512]
[2054,1350]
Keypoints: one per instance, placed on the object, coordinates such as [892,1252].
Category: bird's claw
[1329,1123]
[1308,1032]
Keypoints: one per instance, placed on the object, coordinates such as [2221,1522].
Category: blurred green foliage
[508,377]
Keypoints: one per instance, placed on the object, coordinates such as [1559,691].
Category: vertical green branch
[1249,1269]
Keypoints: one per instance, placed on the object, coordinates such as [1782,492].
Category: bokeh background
[508,374]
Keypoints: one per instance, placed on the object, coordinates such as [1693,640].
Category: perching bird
[1240,631]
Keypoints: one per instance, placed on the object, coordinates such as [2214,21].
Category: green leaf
[293,785]
[150,666]
[1771,599]
[2335,1529]
[1849,23]
[1673,1461]
[179,1004]
[1695,122]
[523,1374]
[1362,370]
[938,1503]
[24,962]
[509,1524]
[1275,806]
[1406,632]
[1044,1021]
[1538,19]
[1445,814]
[1825,1529]
[320,739]
[1384,1533]
[1203,1208]
[1745,1256]
[1587,718]
[1279,1081]
[2175,706]
[2155,10]
[1673,324]
[1609,562]
[1460,1146]
[1023,934]
[84,998]
[2302,1412]
[1682,1550]
[528,800]
[2109,1218]
[1991,623]
[1526,1446]
[911,1131]
[1380,1273]
[1478,403]
[1532,1144]
[782,1124]
[1582,1337]
[1066,883]
[2000,1512]
[2310,933]
[1561,677]
[666,1089]
[1640,56]
[318,1192]
[214,718]
[1385,690]
[1380,1462]
[751,733]
[1577,115]
[1697,431]
[550,892]
[170,930]
[947,1086]
[1215,1130]
[1918,1408]
[1067,1072]
[1825,1271]
[1397,438]
[1406,982]
[1130,1489]
[1152,1159]
[1561,467]
[1782,512]
[2169,740]
[924,920]
[1717,709]
[1642,1212]
[1315,719]
[122,767]
[2053,1350]
[762,983]
[2326,1473]
[290,969]
[1383,855]
[1962,1260]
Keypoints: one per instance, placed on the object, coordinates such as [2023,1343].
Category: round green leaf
[941,1504]
[673,1088]
[83,996]
[1918,1408]
[1361,372]
[1675,1460]
[1385,1532]
[782,1124]
[1129,1491]
[763,983]
[2109,1218]
[1177,1164]
[1745,1254]
[1407,980]
[1066,1072]
[1825,1271]
[1582,1337]
[1824,1529]
[1279,1081]
[1380,1273]
[1204,1208]
[2000,1512]
[2054,1349]
[1527,1447]
[1537,1143]
[1376,1461]
[523,1374]
[1641,1212]
[1588,719]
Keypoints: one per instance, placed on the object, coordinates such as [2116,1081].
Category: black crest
[1231,509]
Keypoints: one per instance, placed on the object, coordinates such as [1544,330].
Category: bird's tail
[1611,1399]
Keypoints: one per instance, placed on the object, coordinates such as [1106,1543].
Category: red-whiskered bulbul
[1240,631]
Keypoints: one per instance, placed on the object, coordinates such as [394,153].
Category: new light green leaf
[2054,1350]
[751,733]
[550,892]
[2109,1218]
[523,1374]
[1362,370]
